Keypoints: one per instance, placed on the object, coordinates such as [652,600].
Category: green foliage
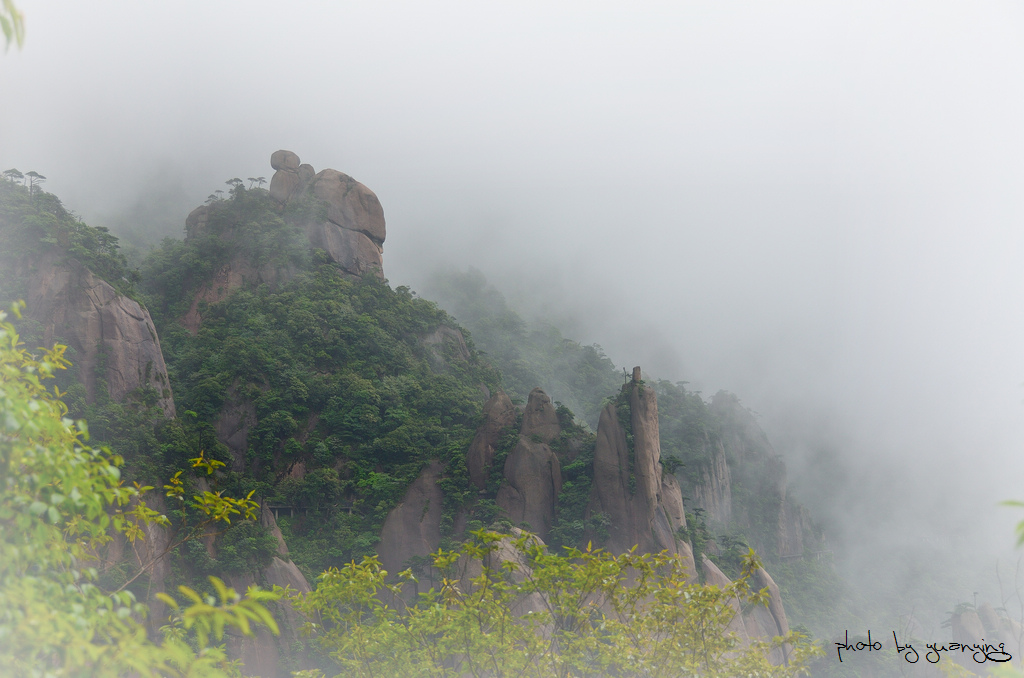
[527,354]
[695,532]
[246,228]
[813,591]
[12,24]
[572,527]
[246,547]
[687,429]
[59,501]
[532,613]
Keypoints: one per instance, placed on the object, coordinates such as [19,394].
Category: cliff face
[413,528]
[499,414]
[533,473]
[264,654]
[739,454]
[711,487]
[114,343]
[644,506]
[351,232]
[758,622]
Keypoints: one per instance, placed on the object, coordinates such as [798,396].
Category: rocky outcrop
[238,272]
[413,528]
[445,346]
[291,178]
[715,577]
[610,492]
[771,618]
[644,507]
[352,251]
[712,490]
[759,622]
[149,553]
[985,625]
[532,471]
[540,419]
[794,522]
[269,523]
[284,573]
[499,414]
[353,233]
[350,204]
[753,463]
[112,338]
[261,654]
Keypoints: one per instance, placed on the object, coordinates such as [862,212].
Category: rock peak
[354,231]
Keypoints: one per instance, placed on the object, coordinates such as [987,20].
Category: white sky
[816,205]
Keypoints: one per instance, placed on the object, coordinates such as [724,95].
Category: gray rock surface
[757,622]
[539,417]
[499,414]
[112,337]
[284,160]
[532,471]
[533,480]
[350,204]
[354,252]
[645,508]
[445,345]
[234,421]
[413,528]
[713,492]
[285,185]
[504,551]
[353,234]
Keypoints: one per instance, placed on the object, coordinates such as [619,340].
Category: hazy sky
[815,205]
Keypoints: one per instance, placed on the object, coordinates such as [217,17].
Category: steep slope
[325,392]
[644,506]
[362,417]
[79,292]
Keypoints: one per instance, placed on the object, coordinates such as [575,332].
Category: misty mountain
[368,420]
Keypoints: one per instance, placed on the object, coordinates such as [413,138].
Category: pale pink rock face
[101,326]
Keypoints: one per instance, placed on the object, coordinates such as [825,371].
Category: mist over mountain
[814,207]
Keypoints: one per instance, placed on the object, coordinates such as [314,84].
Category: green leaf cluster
[505,606]
[60,502]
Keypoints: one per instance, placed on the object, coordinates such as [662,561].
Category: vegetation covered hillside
[734,483]
[332,386]
[340,404]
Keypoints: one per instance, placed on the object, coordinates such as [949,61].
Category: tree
[60,499]
[34,179]
[528,612]
[12,175]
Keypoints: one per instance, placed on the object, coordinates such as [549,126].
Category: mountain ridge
[322,388]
